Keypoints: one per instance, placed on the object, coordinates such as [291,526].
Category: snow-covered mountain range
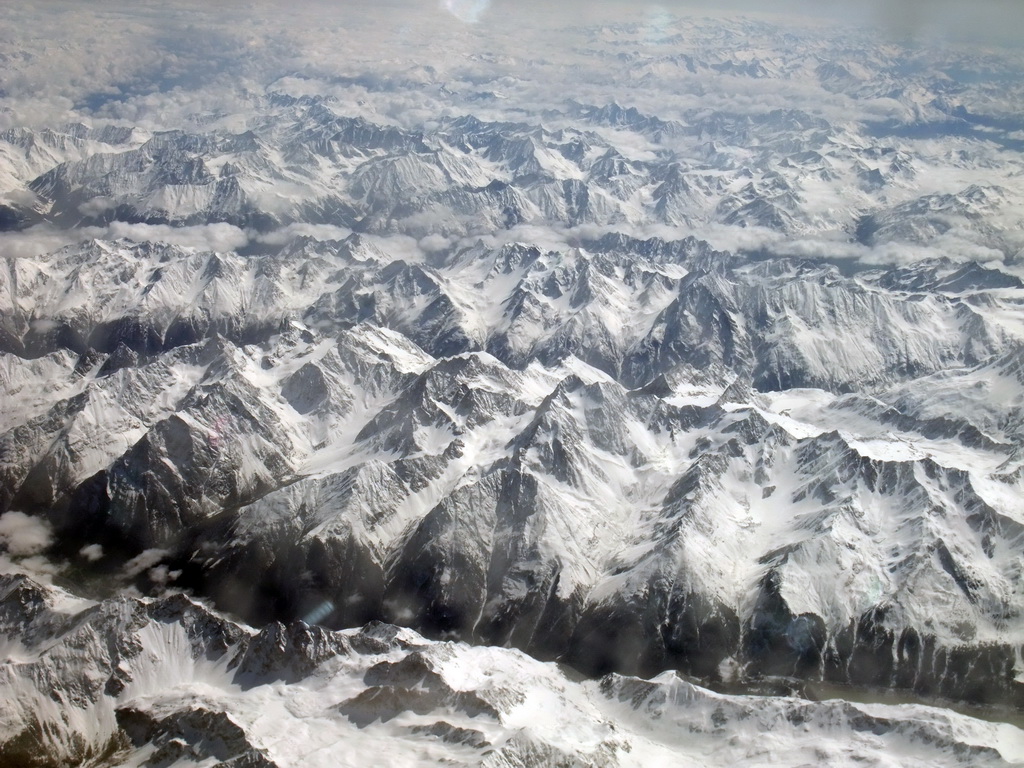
[634,454]
[170,682]
[724,386]
[304,161]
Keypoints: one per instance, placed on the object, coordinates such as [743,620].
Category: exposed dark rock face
[154,682]
[599,519]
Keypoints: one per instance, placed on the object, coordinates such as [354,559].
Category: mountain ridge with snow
[683,348]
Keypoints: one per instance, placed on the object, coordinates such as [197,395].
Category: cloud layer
[208,68]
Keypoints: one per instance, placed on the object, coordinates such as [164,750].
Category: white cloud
[36,567]
[434,243]
[162,575]
[97,206]
[92,552]
[144,561]
[22,535]
[292,231]
[45,238]
[187,64]
[37,240]
[209,237]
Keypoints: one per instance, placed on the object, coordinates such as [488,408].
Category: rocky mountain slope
[170,682]
[631,454]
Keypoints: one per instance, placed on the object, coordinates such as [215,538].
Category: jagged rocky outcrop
[149,682]
[632,455]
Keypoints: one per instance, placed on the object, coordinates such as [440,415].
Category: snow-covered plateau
[405,386]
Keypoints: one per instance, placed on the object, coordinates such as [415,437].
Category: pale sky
[982,21]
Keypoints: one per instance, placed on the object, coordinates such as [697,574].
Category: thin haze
[205,68]
[982,21]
